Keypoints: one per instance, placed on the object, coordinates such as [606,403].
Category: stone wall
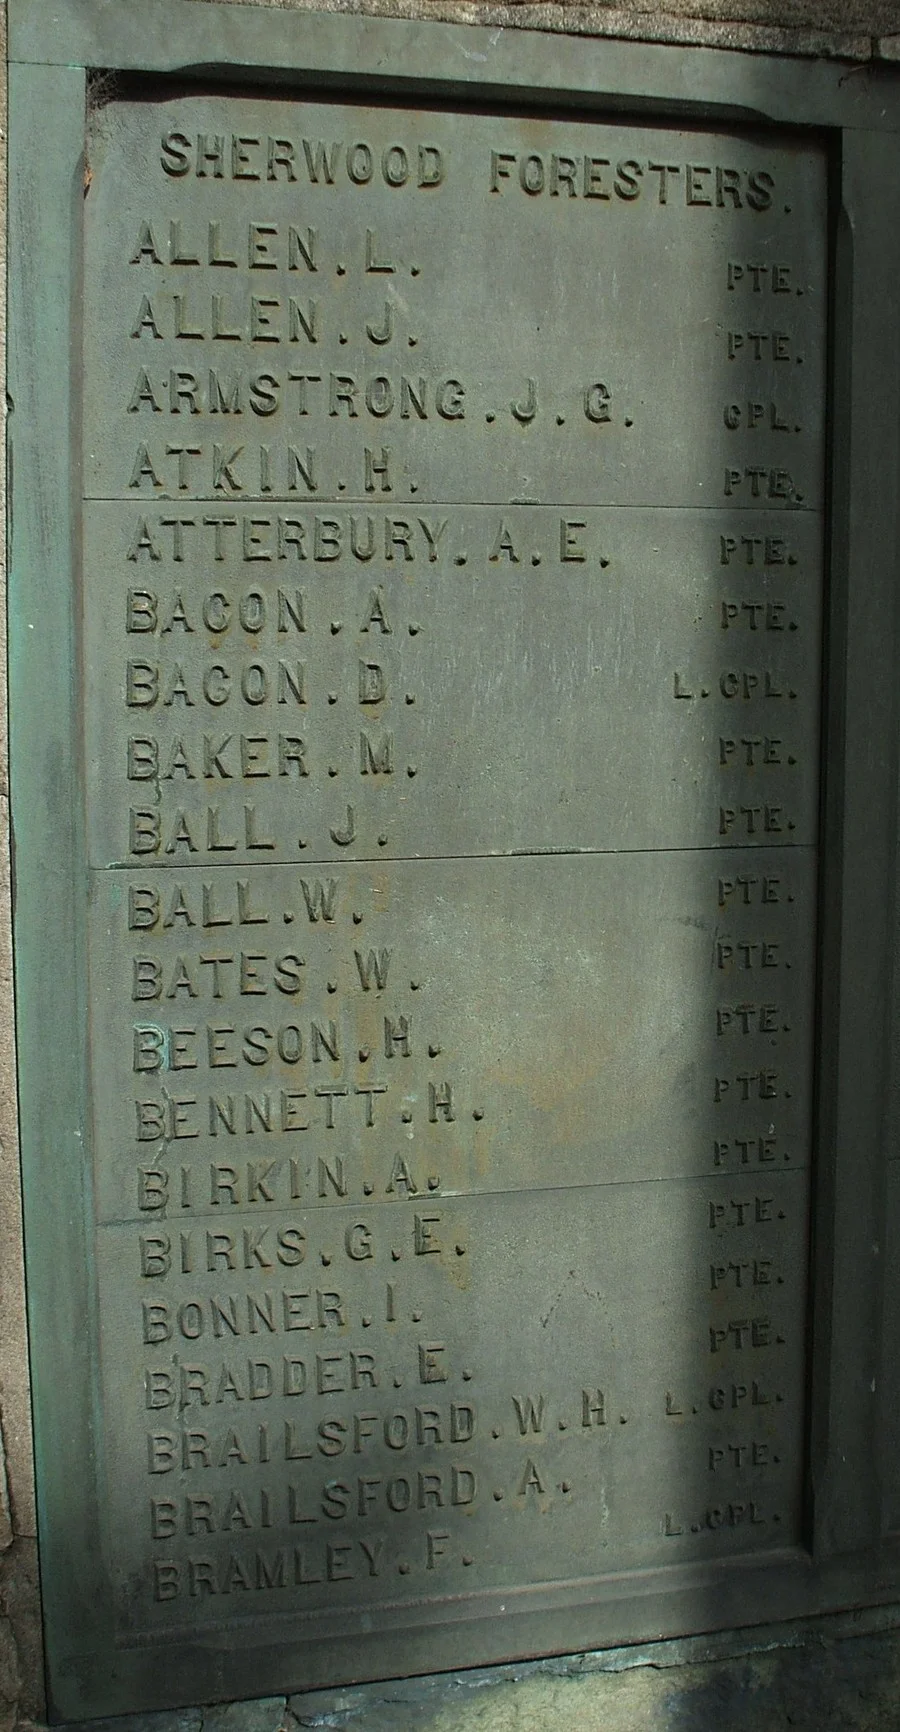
[857,30]
[769,1693]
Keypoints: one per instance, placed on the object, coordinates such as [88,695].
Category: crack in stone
[6,1523]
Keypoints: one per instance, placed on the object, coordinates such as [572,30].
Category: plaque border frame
[852,1559]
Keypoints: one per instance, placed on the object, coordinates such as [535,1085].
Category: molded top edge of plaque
[198,37]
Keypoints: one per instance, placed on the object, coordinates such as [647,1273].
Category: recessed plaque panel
[452,553]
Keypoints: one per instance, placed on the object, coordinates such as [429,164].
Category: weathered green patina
[455,1079]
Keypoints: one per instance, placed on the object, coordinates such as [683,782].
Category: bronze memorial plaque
[452,586]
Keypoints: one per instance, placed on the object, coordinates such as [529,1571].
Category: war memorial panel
[452,588]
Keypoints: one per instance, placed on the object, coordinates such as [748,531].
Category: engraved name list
[452,590]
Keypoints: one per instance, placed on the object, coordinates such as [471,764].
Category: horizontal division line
[343,502]
[244,1212]
[442,859]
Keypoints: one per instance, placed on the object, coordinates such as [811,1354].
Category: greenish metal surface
[853,1446]
[384,53]
[428,1113]
[47,116]
[467,665]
